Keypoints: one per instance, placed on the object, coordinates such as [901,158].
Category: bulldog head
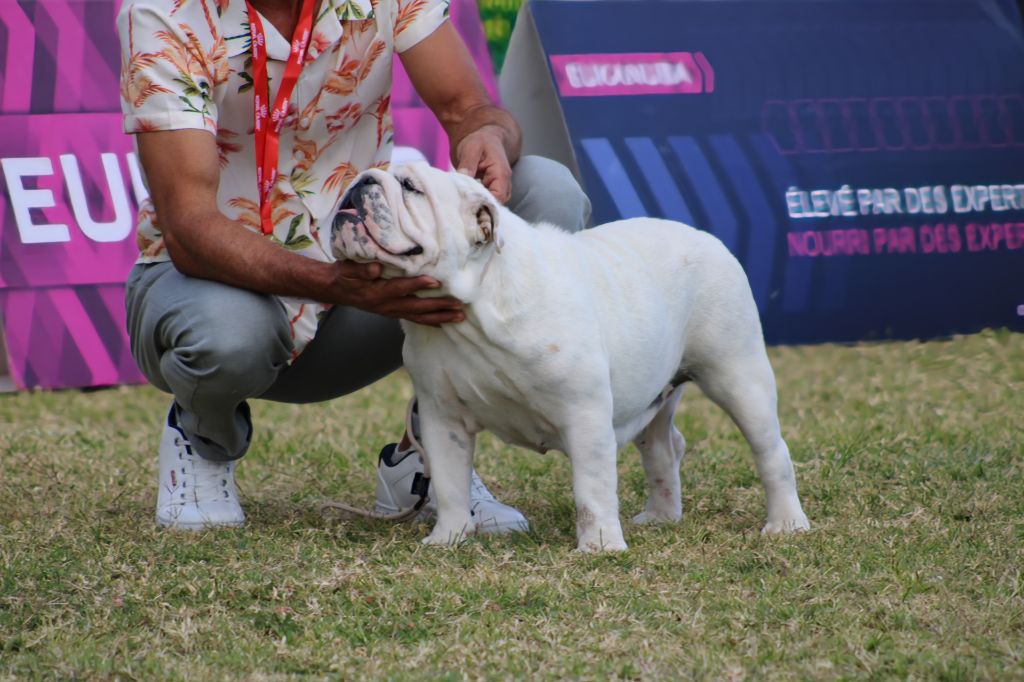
[418,220]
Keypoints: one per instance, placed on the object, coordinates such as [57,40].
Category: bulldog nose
[365,181]
[354,191]
[356,187]
[414,251]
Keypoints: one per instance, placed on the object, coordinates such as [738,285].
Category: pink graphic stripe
[707,70]
[82,331]
[70,51]
[17,315]
[16,96]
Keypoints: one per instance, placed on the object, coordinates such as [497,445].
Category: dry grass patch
[910,459]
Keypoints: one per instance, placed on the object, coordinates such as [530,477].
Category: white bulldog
[573,342]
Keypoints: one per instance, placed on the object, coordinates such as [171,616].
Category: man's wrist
[489,116]
[322,280]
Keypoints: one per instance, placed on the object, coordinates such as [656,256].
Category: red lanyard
[267,125]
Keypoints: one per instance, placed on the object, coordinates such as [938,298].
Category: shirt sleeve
[417,19]
[171,64]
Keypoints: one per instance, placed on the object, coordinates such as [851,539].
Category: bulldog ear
[487,222]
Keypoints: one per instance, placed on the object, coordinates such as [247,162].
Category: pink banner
[636,73]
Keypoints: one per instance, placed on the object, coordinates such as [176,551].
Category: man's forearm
[214,247]
[183,170]
[445,76]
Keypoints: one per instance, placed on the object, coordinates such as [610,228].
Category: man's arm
[183,172]
[485,139]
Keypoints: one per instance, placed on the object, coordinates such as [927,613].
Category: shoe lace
[414,448]
[209,478]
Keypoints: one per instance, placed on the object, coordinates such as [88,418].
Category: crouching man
[247,139]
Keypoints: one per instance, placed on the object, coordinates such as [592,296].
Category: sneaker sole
[485,529]
[502,529]
[195,526]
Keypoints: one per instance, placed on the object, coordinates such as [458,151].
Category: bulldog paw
[447,538]
[610,541]
[645,518]
[595,546]
[796,524]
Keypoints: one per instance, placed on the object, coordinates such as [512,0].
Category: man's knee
[237,351]
[190,335]
[546,191]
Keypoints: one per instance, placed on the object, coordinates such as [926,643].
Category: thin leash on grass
[420,484]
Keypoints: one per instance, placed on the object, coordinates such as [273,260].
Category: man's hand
[481,154]
[359,285]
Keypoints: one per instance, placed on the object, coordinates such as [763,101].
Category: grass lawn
[910,464]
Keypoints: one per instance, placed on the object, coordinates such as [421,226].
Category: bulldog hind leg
[745,388]
[661,449]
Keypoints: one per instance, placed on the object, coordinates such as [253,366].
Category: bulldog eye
[409,187]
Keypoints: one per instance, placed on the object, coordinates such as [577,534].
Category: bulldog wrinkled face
[415,219]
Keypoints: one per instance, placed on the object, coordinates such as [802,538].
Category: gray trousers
[214,346]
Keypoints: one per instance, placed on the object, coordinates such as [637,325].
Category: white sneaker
[396,477]
[194,493]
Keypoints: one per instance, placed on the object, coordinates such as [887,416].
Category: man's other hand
[481,154]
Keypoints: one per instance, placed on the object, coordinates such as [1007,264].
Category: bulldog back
[670,295]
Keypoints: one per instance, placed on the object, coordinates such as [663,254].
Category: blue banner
[864,159]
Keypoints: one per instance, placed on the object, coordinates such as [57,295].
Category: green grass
[910,463]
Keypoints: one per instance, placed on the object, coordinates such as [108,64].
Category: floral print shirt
[187,64]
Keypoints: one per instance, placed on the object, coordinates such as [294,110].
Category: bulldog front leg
[594,484]
[449,452]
